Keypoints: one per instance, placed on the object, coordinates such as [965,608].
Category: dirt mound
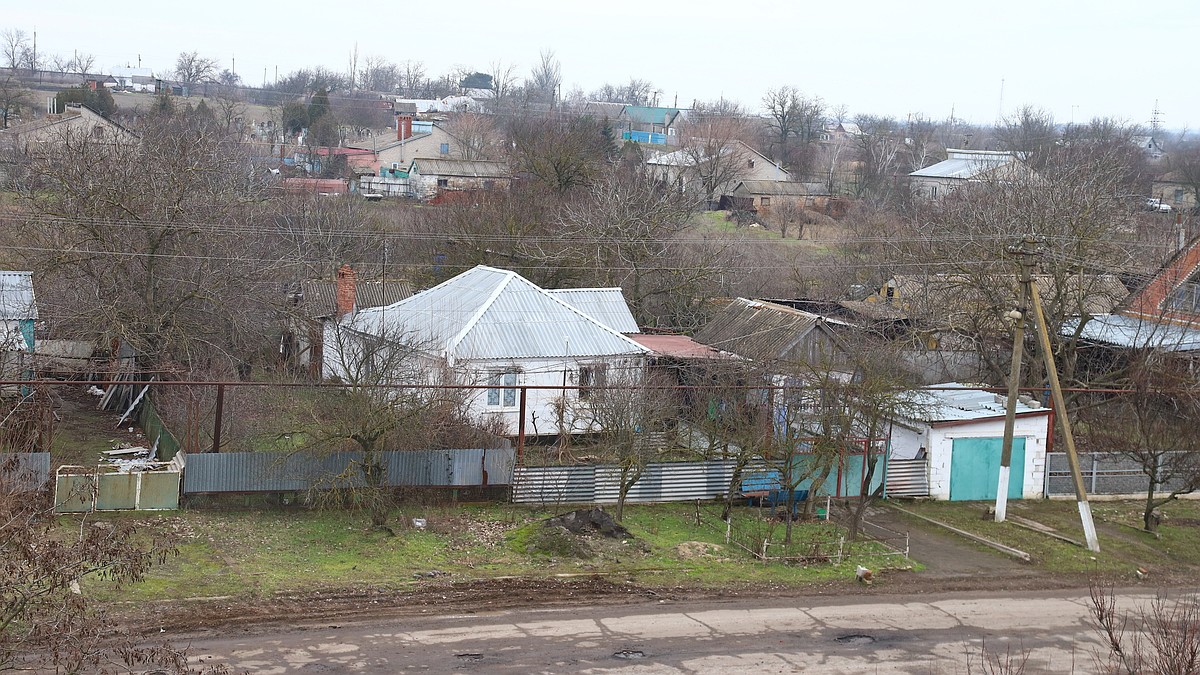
[689,550]
[589,521]
[583,534]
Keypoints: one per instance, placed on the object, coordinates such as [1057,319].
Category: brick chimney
[347,291]
[404,127]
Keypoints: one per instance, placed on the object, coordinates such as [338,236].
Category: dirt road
[925,634]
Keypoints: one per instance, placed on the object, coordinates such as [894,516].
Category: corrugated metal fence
[24,471]
[277,472]
[600,484]
[1103,474]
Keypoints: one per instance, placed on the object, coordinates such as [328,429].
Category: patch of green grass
[1122,547]
[256,553]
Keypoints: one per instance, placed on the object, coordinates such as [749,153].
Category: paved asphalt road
[926,634]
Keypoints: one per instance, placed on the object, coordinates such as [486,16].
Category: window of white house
[1178,195]
[765,201]
[444,148]
[750,163]
[443,182]
[595,375]
[933,191]
[502,389]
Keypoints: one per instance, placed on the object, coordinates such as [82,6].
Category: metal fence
[1103,474]
[24,471]
[296,472]
[600,484]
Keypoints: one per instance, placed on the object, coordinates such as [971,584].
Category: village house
[764,196]
[791,343]
[964,167]
[1174,190]
[493,327]
[651,124]
[691,170]
[320,301]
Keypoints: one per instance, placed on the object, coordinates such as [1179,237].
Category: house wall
[1178,195]
[939,442]
[426,186]
[934,188]
[420,146]
[541,405]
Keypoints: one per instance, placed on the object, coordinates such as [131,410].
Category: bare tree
[45,623]
[793,121]
[1162,637]
[504,81]
[13,45]
[413,80]
[83,63]
[713,153]
[1151,424]
[880,147]
[379,74]
[1031,132]
[477,134]
[13,97]
[545,79]
[193,69]
[148,247]
[561,151]
[372,416]
[624,410]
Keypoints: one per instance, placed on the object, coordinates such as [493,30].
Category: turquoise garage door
[975,468]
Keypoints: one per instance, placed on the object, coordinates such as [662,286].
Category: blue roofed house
[651,124]
[492,327]
[18,313]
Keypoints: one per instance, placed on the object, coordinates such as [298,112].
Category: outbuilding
[951,450]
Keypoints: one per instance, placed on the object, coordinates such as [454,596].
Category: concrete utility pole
[1064,424]
[1030,297]
[1026,253]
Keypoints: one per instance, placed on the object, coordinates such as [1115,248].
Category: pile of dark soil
[579,534]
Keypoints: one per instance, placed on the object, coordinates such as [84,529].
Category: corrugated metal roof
[678,346]
[460,167]
[606,305]
[756,329]
[650,115]
[489,313]
[785,188]
[1126,331]
[319,296]
[16,296]
[966,164]
[958,402]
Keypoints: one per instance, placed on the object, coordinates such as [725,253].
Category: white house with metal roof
[953,450]
[490,326]
[962,167]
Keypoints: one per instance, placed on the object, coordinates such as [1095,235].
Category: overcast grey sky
[1077,59]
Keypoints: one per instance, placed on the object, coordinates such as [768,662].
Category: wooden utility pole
[1026,252]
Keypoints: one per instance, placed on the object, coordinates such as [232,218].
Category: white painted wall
[939,443]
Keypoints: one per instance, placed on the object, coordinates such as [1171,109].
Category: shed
[957,437]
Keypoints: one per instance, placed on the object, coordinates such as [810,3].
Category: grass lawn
[1123,548]
[257,553]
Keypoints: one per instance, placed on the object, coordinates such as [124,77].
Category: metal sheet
[74,493]
[271,472]
[117,492]
[159,490]
[24,471]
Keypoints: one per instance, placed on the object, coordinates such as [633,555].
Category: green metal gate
[975,468]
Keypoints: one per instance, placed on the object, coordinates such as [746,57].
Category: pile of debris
[581,534]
